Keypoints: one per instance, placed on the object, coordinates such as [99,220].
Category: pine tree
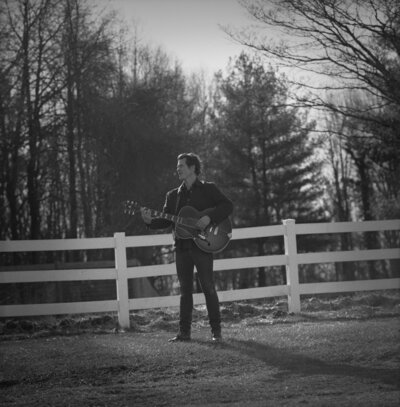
[265,146]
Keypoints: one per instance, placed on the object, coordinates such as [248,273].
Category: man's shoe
[181,337]
[217,337]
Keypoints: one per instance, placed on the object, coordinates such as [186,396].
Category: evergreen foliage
[265,146]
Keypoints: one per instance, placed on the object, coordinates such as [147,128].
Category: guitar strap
[178,200]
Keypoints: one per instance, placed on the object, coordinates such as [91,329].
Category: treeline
[349,55]
[90,118]
[83,126]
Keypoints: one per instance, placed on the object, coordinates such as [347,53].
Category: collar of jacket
[196,184]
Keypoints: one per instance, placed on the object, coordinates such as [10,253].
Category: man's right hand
[146,215]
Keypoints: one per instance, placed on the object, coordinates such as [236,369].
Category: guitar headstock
[131,207]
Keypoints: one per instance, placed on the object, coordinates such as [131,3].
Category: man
[199,195]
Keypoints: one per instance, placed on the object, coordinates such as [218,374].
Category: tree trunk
[33,135]
[366,194]
[70,111]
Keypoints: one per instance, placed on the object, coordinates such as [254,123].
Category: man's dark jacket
[201,196]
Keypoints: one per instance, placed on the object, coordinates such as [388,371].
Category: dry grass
[339,351]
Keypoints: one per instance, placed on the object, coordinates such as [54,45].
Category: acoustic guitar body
[211,240]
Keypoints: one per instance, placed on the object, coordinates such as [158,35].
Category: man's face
[183,170]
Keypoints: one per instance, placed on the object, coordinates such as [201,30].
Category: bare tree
[354,42]
[28,51]
[351,51]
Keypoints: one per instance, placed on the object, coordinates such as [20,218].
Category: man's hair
[192,159]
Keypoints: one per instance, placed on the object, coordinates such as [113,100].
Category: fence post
[292,269]
[122,280]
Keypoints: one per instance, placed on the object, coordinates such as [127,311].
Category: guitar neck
[162,215]
[132,207]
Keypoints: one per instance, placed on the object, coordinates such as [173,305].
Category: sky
[187,30]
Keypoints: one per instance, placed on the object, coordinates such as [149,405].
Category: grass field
[341,351]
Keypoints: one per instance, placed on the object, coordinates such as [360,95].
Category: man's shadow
[289,363]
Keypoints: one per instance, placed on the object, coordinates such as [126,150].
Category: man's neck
[190,181]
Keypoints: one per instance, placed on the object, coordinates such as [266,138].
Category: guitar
[212,239]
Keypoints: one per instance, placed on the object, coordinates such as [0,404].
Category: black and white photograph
[199,203]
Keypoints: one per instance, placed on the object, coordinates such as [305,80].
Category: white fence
[121,272]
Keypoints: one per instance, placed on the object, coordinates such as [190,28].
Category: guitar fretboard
[163,215]
[132,207]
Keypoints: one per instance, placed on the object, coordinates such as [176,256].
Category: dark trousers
[186,259]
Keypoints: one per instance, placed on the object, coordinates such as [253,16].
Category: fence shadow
[290,363]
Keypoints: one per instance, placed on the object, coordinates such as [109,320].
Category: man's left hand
[203,222]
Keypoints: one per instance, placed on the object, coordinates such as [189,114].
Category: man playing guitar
[202,196]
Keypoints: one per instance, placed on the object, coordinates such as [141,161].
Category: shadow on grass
[291,363]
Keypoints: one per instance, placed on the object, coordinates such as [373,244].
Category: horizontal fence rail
[121,272]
